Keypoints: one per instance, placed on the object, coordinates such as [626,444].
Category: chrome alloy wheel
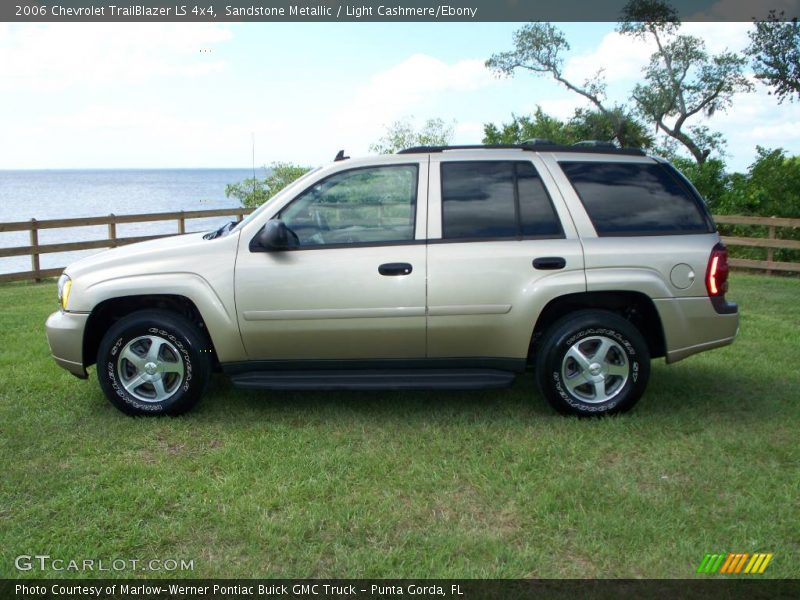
[595,369]
[150,368]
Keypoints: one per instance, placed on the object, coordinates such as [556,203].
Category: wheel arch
[211,307]
[109,311]
[636,307]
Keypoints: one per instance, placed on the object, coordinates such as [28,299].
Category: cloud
[621,57]
[395,92]
[421,86]
[135,136]
[55,56]
[719,37]
[755,119]
[759,119]
[470,132]
[769,134]
[563,109]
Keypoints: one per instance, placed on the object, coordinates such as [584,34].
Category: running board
[384,379]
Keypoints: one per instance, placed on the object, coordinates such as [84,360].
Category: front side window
[360,206]
[495,200]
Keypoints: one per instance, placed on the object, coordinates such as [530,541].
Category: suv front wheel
[153,362]
[592,362]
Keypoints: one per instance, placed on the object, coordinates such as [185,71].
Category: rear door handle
[395,269]
[549,263]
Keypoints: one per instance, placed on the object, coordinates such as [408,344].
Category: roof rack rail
[539,146]
[595,144]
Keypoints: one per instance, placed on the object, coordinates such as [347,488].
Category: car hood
[143,256]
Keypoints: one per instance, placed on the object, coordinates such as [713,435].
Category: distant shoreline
[68,193]
[95,169]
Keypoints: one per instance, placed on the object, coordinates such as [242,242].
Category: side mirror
[276,236]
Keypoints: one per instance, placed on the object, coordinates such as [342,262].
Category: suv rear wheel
[153,362]
[592,362]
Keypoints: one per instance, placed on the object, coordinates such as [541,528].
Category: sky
[195,95]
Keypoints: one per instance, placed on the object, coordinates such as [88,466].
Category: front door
[354,288]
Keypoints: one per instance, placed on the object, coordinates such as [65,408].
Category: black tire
[183,348]
[564,380]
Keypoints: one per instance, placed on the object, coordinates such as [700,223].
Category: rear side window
[636,199]
[495,199]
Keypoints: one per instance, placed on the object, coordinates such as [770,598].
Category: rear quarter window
[636,199]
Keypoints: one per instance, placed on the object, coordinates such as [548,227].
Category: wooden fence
[770,242]
[34,249]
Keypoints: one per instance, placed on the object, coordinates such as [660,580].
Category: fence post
[181,224]
[770,251]
[34,238]
[112,230]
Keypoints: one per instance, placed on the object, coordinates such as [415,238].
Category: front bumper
[693,325]
[65,337]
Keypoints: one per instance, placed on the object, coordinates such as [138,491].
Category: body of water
[58,194]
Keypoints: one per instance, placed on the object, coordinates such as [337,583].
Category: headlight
[64,287]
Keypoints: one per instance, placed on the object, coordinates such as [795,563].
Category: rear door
[504,246]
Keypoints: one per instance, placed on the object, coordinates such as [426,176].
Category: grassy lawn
[414,484]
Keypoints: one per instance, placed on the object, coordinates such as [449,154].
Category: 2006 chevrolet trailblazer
[437,267]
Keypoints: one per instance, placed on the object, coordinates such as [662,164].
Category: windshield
[263,207]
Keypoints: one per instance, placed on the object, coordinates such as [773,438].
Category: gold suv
[437,267]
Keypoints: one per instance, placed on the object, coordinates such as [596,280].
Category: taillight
[717,272]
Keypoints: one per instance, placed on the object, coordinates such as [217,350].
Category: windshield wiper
[222,230]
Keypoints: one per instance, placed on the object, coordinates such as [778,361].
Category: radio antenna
[253,157]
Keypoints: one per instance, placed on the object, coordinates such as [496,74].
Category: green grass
[422,484]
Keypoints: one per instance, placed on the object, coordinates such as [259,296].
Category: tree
[253,191]
[771,186]
[539,125]
[709,177]
[584,125]
[594,125]
[401,134]
[775,52]
[681,80]
[539,48]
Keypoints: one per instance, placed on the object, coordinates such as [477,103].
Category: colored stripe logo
[734,563]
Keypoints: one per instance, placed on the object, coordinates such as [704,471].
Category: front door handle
[395,269]
[549,263]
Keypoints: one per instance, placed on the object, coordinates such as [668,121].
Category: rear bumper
[65,337]
[693,325]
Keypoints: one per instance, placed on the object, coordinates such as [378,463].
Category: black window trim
[691,191]
[517,212]
[254,247]
[700,205]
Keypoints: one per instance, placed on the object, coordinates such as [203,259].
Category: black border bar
[747,586]
[372,10]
